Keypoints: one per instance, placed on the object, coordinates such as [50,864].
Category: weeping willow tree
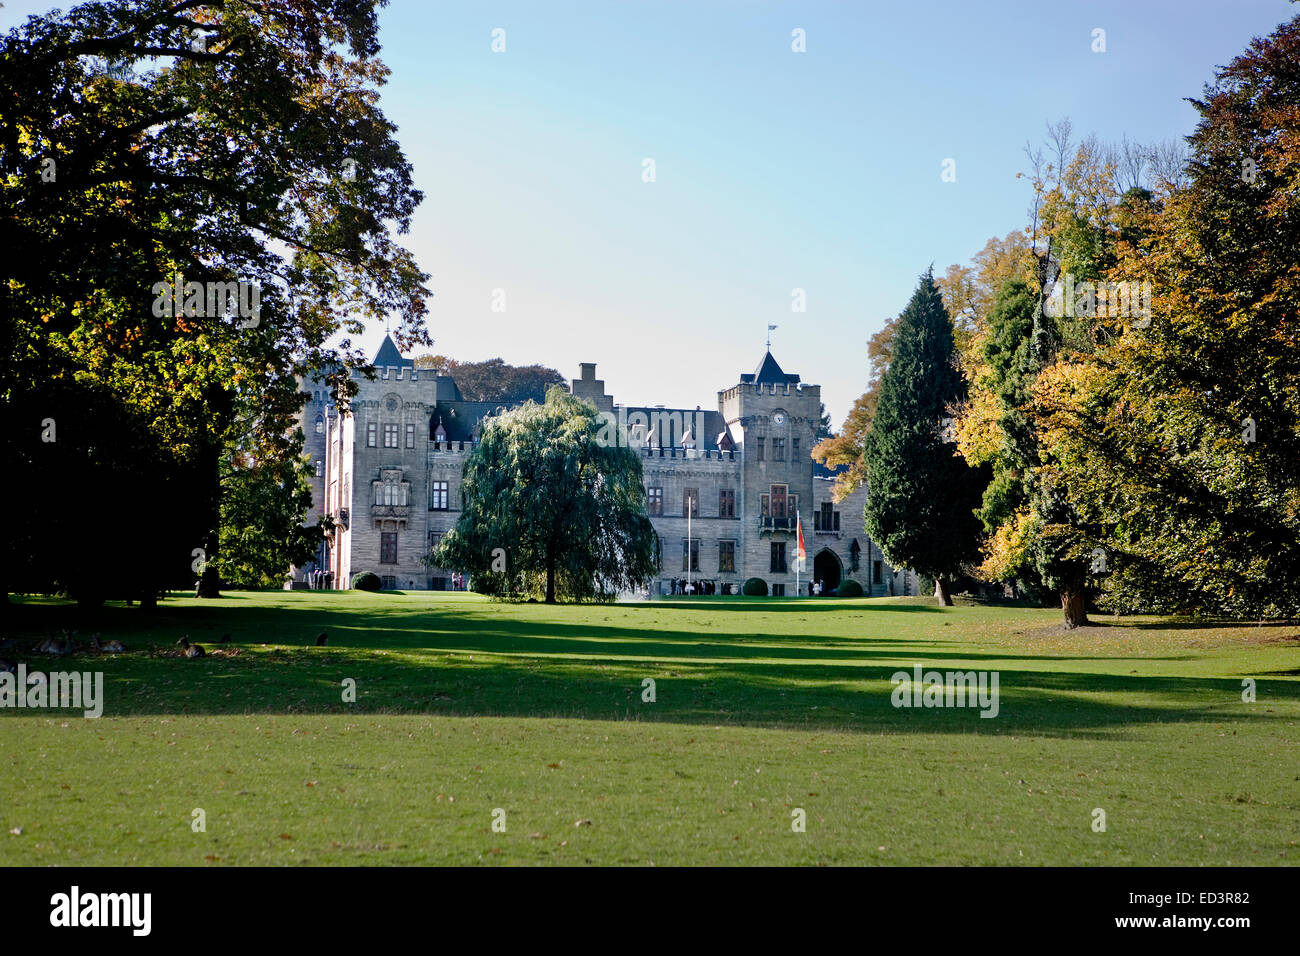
[549,510]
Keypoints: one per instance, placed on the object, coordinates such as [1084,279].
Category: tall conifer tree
[922,495]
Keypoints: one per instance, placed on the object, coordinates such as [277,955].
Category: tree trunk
[210,470]
[550,582]
[209,583]
[1074,600]
[941,592]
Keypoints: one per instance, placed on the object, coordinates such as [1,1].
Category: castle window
[727,503]
[390,435]
[370,435]
[438,496]
[794,449]
[654,501]
[320,468]
[410,436]
[726,556]
[391,491]
[779,501]
[691,503]
[778,449]
[320,425]
[690,554]
[876,571]
[388,547]
[778,557]
[759,447]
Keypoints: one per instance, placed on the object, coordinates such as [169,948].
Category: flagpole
[798,530]
[690,506]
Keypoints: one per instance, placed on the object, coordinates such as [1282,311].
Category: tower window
[691,503]
[727,503]
[438,496]
[391,492]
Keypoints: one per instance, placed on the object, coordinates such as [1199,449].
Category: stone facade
[390,472]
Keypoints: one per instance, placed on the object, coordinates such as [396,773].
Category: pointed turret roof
[769,373]
[388,355]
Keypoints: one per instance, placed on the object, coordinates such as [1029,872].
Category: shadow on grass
[443,660]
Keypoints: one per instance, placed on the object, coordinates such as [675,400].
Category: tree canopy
[494,380]
[550,511]
[155,157]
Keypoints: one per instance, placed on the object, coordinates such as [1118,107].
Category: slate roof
[389,357]
[769,373]
[460,418]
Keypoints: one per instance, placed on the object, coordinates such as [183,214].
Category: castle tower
[773,418]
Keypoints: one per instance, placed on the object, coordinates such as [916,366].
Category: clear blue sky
[775,169]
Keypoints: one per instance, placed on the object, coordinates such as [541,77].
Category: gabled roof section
[769,373]
[389,357]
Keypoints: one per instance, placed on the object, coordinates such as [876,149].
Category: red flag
[801,553]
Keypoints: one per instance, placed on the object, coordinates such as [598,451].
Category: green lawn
[763,706]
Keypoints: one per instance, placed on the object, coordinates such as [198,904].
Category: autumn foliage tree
[234,142]
[1180,440]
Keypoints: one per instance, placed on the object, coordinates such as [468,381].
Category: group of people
[683,586]
[319,580]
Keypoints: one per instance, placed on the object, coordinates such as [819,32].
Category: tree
[494,380]
[549,509]
[235,145]
[824,429]
[921,493]
[1180,439]
[1089,201]
[264,496]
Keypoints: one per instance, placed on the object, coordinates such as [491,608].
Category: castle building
[737,475]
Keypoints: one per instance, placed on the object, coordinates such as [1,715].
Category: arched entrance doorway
[826,569]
